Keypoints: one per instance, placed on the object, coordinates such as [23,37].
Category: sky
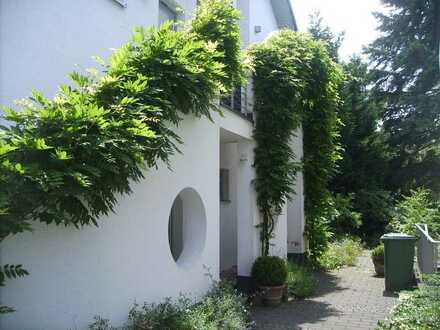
[352,16]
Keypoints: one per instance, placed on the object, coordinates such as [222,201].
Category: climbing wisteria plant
[295,84]
[64,160]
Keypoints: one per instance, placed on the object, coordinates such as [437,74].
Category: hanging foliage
[295,83]
[64,161]
[225,33]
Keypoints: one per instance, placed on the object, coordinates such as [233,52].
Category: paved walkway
[351,298]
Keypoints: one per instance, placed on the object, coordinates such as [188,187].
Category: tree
[320,31]
[406,79]
[364,169]
[361,200]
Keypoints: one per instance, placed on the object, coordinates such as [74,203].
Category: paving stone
[350,298]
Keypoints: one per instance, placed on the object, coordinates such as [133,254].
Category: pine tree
[322,32]
[361,179]
[406,78]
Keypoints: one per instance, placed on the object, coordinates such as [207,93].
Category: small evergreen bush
[269,271]
[300,281]
[378,254]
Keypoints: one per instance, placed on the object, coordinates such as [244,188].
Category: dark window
[175,228]
[224,185]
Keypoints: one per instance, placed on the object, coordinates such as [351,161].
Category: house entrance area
[239,237]
[229,161]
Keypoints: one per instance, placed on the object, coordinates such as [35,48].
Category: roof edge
[284,14]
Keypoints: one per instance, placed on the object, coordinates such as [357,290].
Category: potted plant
[270,275]
[377,255]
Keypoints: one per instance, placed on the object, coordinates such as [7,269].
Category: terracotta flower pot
[272,295]
[379,267]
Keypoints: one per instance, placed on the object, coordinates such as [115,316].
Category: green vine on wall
[295,83]
[64,161]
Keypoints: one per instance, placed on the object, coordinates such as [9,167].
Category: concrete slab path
[350,298]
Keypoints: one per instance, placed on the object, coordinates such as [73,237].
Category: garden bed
[418,309]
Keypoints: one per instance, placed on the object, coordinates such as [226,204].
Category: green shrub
[269,271]
[225,33]
[300,281]
[167,315]
[417,310]
[341,253]
[418,207]
[221,308]
[378,254]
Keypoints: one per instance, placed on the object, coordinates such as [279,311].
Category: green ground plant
[344,252]
[418,309]
[301,282]
[221,308]
[378,254]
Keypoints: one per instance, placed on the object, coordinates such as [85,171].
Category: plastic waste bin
[399,261]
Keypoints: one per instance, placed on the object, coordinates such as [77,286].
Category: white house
[178,224]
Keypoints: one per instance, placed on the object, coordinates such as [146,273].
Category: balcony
[239,102]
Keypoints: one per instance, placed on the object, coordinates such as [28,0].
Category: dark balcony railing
[237,102]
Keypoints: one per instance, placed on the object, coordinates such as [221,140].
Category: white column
[247,213]
[295,207]
[279,241]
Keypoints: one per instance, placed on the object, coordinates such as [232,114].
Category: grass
[300,281]
[344,252]
[418,309]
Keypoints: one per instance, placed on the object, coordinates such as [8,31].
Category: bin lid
[398,236]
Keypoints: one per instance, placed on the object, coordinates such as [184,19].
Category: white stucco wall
[76,274]
[261,14]
[244,7]
[41,41]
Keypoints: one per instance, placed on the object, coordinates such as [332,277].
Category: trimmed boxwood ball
[378,254]
[269,271]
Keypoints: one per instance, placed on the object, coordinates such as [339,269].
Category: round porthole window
[187,227]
